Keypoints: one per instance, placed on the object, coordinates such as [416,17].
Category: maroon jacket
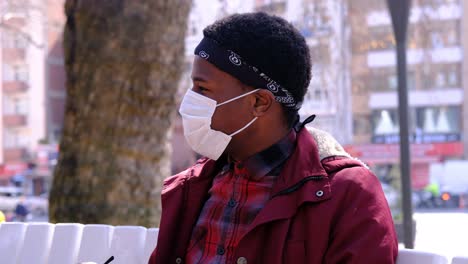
[329,210]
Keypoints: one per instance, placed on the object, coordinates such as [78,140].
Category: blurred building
[438,38]
[32,81]
[323,24]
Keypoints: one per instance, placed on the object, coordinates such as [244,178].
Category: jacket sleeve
[152,259]
[362,229]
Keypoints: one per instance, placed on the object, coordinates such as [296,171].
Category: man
[269,190]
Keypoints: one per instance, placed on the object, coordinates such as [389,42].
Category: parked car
[10,191]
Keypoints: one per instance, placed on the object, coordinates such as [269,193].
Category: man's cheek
[217,122]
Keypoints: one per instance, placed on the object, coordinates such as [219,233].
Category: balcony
[14,120]
[451,11]
[277,7]
[14,154]
[14,87]
[387,58]
[13,54]
[418,98]
[14,18]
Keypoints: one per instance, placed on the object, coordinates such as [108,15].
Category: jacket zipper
[296,186]
[185,194]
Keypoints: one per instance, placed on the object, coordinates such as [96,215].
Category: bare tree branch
[21,33]
[21,8]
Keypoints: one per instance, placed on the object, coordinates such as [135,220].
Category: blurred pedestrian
[21,211]
[268,190]
[434,191]
[2,217]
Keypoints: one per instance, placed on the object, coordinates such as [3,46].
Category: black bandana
[230,62]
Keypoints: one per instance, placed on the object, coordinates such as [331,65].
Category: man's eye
[202,89]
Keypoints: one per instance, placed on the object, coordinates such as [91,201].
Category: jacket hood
[327,145]
[332,155]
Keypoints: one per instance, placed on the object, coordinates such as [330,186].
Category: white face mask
[197,111]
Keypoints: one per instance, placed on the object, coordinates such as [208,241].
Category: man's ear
[263,102]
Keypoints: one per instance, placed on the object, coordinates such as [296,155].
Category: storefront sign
[418,138]
[390,153]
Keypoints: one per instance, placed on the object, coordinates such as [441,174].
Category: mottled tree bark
[123,63]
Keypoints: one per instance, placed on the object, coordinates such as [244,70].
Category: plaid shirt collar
[268,161]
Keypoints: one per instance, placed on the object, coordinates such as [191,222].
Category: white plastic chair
[410,256]
[65,244]
[37,242]
[11,241]
[150,244]
[128,244]
[95,243]
[460,260]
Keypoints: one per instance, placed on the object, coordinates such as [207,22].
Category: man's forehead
[204,71]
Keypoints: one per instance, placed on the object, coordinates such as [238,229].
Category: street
[442,232]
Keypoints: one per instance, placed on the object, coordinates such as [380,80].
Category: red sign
[390,153]
[419,175]
[10,169]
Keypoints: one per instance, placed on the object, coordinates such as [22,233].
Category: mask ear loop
[242,129]
[238,97]
[235,98]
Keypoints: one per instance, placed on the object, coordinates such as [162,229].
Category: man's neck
[242,148]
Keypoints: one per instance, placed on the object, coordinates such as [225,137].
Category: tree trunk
[123,63]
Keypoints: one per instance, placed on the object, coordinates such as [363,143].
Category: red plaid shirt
[239,192]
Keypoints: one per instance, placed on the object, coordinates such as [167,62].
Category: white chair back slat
[37,242]
[45,243]
[460,260]
[65,244]
[128,243]
[11,241]
[150,244]
[95,243]
[410,256]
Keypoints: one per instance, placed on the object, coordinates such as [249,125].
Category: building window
[387,81]
[440,79]
[392,82]
[436,40]
[14,139]
[435,3]
[438,120]
[442,76]
[273,7]
[426,125]
[381,39]
[361,125]
[422,120]
[452,37]
[15,106]
[12,40]
[452,79]
[15,73]
[445,37]
[385,122]
[10,139]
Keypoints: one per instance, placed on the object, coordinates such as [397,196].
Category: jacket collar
[302,168]
[313,146]
[304,162]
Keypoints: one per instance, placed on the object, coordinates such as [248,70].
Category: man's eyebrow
[198,79]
